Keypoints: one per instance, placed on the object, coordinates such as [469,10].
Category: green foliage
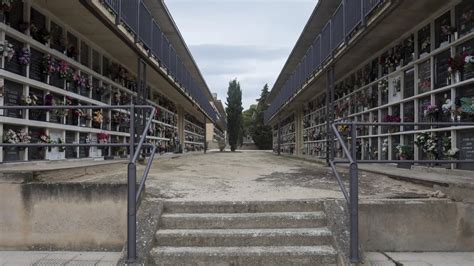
[262,134]
[234,114]
[248,120]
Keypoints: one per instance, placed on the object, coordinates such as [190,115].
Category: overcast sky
[243,39]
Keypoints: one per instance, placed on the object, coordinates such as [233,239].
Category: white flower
[447,106]
[469,59]
[453,151]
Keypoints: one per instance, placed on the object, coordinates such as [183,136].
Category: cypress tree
[234,113]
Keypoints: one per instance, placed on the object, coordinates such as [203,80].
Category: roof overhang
[168,26]
[318,19]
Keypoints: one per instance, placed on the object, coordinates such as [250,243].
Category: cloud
[245,39]
[238,52]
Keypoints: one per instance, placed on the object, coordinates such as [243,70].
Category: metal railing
[352,197]
[133,194]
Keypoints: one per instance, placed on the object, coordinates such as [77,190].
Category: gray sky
[243,39]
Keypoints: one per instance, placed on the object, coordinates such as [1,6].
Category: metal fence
[347,18]
[135,148]
[352,197]
[136,16]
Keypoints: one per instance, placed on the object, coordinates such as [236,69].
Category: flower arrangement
[11,137]
[49,99]
[64,70]
[31,99]
[61,148]
[102,137]
[79,80]
[468,61]
[448,30]
[24,57]
[385,146]
[430,110]
[71,52]
[120,118]
[44,138]
[448,150]
[343,128]
[41,35]
[7,5]
[468,15]
[425,45]
[427,142]
[447,106]
[392,58]
[383,85]
[7,50]
[456,64]
[405,152]
[49,65]
[392,119]
[80,113]
[60,112]
[16,137]
[98,117]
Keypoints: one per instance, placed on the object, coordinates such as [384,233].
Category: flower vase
[457,77]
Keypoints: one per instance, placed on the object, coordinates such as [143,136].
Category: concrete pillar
[205,133]
[210,135]
[299,131]
[181,113]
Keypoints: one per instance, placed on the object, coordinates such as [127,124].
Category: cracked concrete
[263,176]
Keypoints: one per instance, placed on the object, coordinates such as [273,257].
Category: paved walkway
[46,258]
[421,258]
[257,175]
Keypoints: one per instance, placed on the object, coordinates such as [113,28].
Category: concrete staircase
[244,233]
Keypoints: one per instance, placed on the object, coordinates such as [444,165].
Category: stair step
[242,220]
[243,237]
[242,206]
[226,256]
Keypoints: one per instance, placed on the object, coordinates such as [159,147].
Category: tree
[248,121]
[262,133]
[234,113]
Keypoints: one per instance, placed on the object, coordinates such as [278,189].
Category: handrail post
[132,131]
[354,199]
[131,213]
[131,204]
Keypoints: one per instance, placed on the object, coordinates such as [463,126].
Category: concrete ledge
[416,225]
[58,171]
[68,216]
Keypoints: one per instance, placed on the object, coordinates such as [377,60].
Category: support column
[210,134]
[329,114]
[299,130]
[279,137]
[181,127]
[205,133]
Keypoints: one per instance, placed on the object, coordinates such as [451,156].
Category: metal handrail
[351,159]
[133,194]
